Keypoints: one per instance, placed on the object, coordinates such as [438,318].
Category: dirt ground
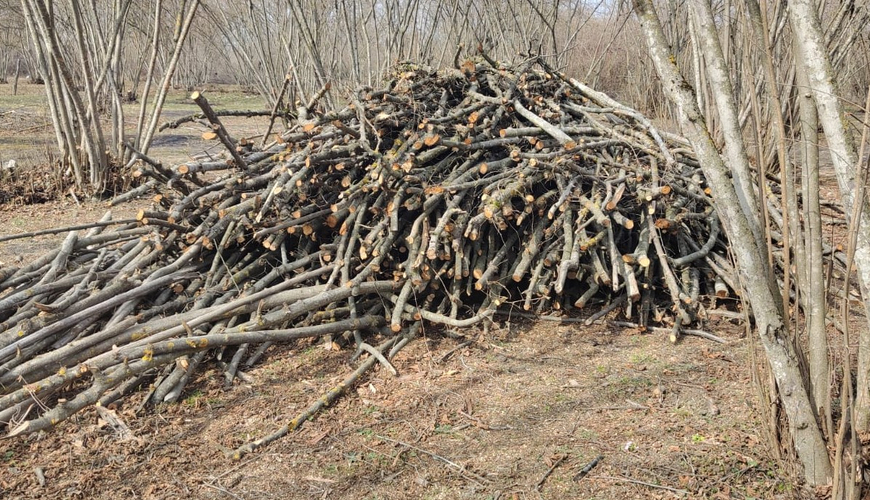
[487,420]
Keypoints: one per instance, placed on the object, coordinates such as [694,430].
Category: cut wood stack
[442,197]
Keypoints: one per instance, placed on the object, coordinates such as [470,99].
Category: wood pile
[443,197]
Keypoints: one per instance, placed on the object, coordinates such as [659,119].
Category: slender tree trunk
[816,299]
[17,74]
[723,94]
[808,30]
[64,79]
[759,28]
[182,30]
[64,131]
[311,45]
[149,76]
[808,440]
[99,163]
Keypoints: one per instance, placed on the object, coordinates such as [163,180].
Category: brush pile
[440,198]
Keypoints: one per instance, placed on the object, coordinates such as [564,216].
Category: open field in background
[27,134]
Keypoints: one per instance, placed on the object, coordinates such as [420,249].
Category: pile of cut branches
[440,198]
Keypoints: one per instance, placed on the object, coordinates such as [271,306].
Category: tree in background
[79,54]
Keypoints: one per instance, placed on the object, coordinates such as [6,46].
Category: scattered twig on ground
[222,490]
[697,333]
[327,399]
[630,406]
[458,468]
[540,483]
[449,353]
[643,483]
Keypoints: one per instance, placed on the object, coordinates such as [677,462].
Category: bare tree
[807,438]
[79,49]
[723,94]
[822,81]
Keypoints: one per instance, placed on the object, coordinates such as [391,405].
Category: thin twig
[451,351]
[459,468]
[643,483]
[696,333]
[618,301]
[631,406]
[67,229]
[585,470]
[222,490]
[550,471]
[380,357]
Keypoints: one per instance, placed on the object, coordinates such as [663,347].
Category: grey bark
[723,93]
[806,435]
[149,76]
[184,29]
[806,25]
[814,291]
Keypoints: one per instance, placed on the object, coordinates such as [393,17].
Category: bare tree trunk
[814,53]
[181,35]
[17,74]
[723,93]
[64,131]
[759,28]
[309,40]
[808,440]
[816,300]
[149,76]
[99,163]
[71,50]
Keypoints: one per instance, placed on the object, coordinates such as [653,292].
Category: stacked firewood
[443,197]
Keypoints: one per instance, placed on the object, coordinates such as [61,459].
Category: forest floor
[515,412]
